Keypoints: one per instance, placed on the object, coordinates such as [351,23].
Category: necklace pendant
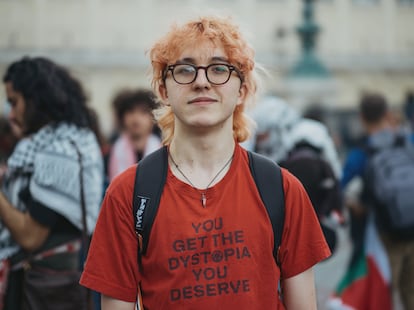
[203,200]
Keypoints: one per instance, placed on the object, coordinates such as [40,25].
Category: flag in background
[366,283]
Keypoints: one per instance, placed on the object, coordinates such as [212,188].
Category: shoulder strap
[150,179]
[85,233]
[268,178]
[151,174]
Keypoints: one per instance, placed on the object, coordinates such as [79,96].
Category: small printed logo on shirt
[142,202]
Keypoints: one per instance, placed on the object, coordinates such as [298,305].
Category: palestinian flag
[366,284]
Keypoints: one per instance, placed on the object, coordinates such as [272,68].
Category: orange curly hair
[221,32]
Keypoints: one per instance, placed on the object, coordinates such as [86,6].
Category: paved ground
[328,273]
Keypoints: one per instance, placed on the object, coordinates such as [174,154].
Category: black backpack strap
[150,178]
[268,178]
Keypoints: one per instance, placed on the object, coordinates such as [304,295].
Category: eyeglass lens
[215,73]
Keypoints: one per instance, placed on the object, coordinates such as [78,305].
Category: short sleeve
[111,267]
[38,211]
[303,243]
[43,214]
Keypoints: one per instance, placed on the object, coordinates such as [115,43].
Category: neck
[204,153]
[374,128]
[200,159]
[202,147]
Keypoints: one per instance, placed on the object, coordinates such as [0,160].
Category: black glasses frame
[205,68]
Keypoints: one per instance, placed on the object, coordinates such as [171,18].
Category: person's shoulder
[287,176]
[290,181]
[358,152]
[124,182]
[62,138]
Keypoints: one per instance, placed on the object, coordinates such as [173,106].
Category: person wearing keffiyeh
[40,199]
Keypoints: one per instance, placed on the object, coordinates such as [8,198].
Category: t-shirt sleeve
[43,214]
[38,211]
[303,243]
[111,267]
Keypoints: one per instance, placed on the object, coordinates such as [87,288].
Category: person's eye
[219,69]
[184,70]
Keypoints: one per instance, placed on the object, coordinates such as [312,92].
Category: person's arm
[353,167]
[26,231]
[109,303]
[299,291]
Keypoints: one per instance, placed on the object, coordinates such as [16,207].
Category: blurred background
[324,52]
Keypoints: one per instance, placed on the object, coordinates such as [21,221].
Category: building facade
[365,44]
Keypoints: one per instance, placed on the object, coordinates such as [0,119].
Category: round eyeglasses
[216,74]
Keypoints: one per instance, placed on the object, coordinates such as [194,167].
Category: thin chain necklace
[203,198]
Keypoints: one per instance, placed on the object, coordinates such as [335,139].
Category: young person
[133,109]
[304,147]
[41,200]
[211,244]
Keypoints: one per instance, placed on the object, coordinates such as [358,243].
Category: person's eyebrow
[185,60]
[220,59]
[191,60]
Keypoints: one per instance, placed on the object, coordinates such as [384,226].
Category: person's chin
[17,129]
[204,123]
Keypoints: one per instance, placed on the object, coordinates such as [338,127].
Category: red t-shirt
[200,258]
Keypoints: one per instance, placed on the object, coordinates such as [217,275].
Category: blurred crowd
[50,123]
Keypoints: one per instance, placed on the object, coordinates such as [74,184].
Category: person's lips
[202,100]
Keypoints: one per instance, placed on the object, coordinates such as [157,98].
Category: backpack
[389,182]
[151,174]
[317,177]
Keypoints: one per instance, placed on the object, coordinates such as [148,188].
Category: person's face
[138,124]
[202,104]
[17,109]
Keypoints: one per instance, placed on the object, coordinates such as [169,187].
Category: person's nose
[201,80]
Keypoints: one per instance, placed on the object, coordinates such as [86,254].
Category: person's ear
[242,94]
[163,93]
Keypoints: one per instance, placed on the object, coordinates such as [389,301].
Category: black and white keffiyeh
[47,163]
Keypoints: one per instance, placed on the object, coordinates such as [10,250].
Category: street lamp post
[308,65]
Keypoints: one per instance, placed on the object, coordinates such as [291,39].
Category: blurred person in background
[316,112]
[388,260]
[409,109]
[138,133]
[280,127]
[204,72]
[41,198]
[306,149]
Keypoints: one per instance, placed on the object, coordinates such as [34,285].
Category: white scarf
[123,154]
